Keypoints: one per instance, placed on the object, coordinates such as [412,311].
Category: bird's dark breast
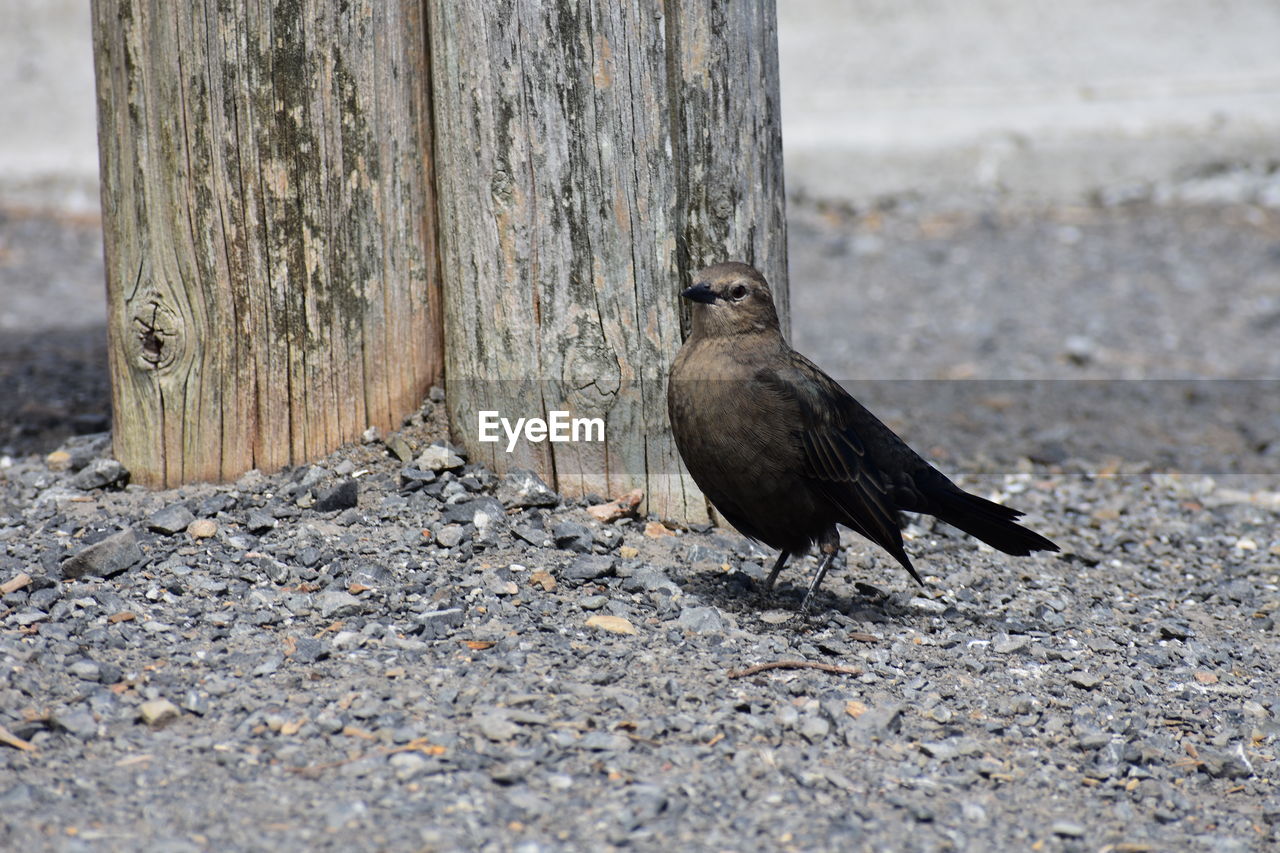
[788,519]
[743,454]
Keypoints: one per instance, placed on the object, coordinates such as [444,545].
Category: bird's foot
[823,565]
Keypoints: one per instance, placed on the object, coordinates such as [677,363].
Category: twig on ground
[8,738]
[794,664]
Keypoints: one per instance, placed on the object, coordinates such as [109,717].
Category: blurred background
[997,190]
[1059,102]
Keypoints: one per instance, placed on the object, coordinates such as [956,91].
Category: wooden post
[591,154]
[269,224]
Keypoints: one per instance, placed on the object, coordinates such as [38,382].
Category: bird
[785,454]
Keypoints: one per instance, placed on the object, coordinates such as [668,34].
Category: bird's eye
[738,292]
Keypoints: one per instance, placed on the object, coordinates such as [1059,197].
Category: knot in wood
[502,187]
[156,334]
[722,206]
[592,376]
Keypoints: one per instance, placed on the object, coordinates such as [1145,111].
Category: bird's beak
[701,292]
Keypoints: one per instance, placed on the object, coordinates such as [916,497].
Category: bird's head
[731,299]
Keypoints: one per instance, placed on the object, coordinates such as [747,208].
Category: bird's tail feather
[991,522]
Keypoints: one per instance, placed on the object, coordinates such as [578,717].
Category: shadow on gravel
[745,597]
[865,609]
[55,385]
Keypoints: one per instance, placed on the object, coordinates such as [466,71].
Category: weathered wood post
[269,223]
[590,154]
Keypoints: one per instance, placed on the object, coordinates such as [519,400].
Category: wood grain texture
[729,140]
[575,140]
[272,274]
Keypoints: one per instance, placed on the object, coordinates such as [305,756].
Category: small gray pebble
[1090,741]
[929,605]
[260,521]
[1085,680]
[813,727]
[400,448]
[483,512]
[86,670]
[344,494]
[109,673]
[309,650]
[587,568]
[533,536]
[940,750]
[269,666]
[523,489]
[440,457]
[170,520]
[1226,764]
[1175,630]
[496,726]
[195,702]
[43,599]
[105,559]
[511,772]
[700,620]
[99,474]
[600,741]
[571,536]
[1004,644]
[608,537]
[407,765]
[349,517]
[450,536]
[329,724]
[78,722]
[439,623]
[221,502]
[648,578]
[336,604]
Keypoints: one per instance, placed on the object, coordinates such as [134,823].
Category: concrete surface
[1036,100]
[48,122]
[1030,99]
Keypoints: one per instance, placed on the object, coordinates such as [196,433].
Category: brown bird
[785,454]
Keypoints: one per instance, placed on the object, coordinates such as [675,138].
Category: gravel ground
[393,649]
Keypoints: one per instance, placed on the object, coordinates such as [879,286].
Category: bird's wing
[836,458]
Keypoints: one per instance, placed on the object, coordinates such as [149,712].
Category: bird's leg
[773,573]
[829,547]
[817,580]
